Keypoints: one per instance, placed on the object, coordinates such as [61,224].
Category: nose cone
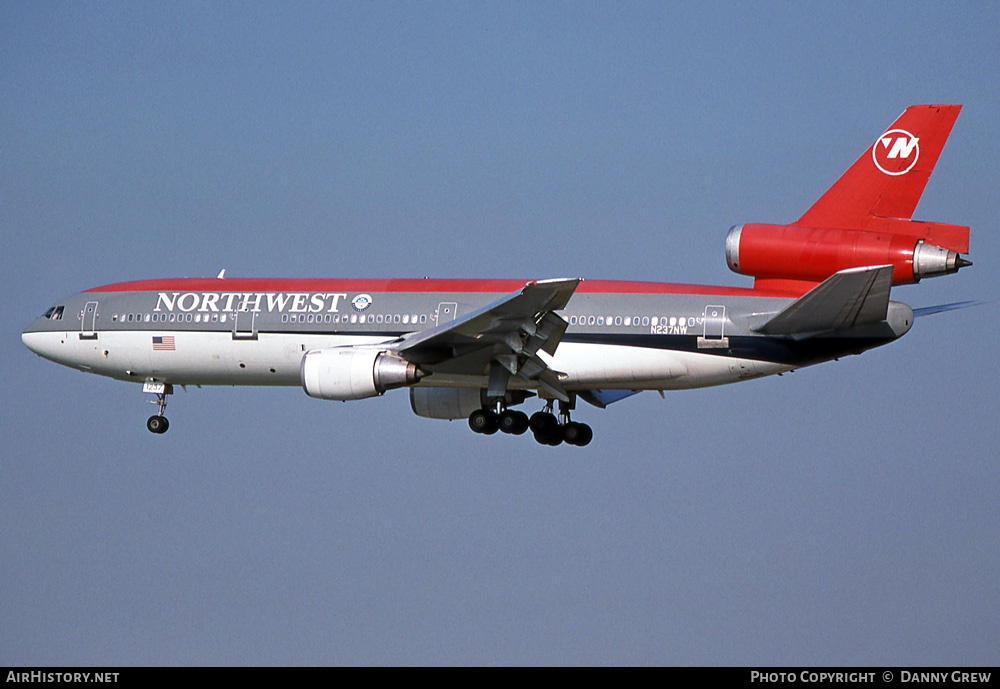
[35,341]
[45,343]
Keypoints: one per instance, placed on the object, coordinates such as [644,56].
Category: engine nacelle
[354,373]
[458,403]
[791,252]
[445,403]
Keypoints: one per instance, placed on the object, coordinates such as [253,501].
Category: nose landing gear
[157,423]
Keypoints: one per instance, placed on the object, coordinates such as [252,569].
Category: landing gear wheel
[551,438]
[578,434]
[543,422]
[157,424]
[513,422]
[484,421]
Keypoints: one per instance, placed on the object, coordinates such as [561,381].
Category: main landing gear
[547,428]
[157,423]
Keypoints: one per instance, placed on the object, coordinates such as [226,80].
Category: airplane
[476,349]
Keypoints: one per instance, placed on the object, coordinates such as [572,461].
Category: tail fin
[888,179]
[865,219]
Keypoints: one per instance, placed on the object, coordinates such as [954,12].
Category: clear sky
[846,514]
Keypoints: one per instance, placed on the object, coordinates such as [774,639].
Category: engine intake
[354,373]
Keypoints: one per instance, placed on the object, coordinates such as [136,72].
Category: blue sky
[845,514]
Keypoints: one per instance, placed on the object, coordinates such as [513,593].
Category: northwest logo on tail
[896,152]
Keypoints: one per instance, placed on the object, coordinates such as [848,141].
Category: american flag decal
[163,344]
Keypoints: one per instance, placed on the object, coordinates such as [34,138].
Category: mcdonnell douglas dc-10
[475,349]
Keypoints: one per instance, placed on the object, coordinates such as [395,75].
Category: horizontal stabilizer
[852,297]
[941,308]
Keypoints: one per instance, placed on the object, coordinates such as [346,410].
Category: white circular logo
[896,152]
[361,302]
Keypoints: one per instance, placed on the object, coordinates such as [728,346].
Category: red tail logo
[896,152]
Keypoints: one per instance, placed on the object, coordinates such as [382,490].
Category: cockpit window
[55,313]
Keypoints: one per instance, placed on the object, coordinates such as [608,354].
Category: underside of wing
[500,340]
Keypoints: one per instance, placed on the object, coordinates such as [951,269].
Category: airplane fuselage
[621,335]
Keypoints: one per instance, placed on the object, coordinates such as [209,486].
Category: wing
[508,333]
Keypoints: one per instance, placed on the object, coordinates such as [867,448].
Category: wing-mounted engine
[354,373]
[445,403]
[865,218]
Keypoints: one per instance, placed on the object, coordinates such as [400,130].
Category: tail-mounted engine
[354,373]
[791,252]
[865,218]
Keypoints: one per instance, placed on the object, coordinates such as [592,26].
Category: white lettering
[298,303]
[279,300]
[336,298]
[668,329]
[903,147]
[192,304]
[208,302]
[245,302]
[316,303]
[166,301]
[204,302]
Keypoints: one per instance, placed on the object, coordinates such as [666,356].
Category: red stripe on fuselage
[417,285]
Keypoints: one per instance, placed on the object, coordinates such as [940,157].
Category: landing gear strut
[157,423]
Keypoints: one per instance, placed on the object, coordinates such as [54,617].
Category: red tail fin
[888,179]
[864,219]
